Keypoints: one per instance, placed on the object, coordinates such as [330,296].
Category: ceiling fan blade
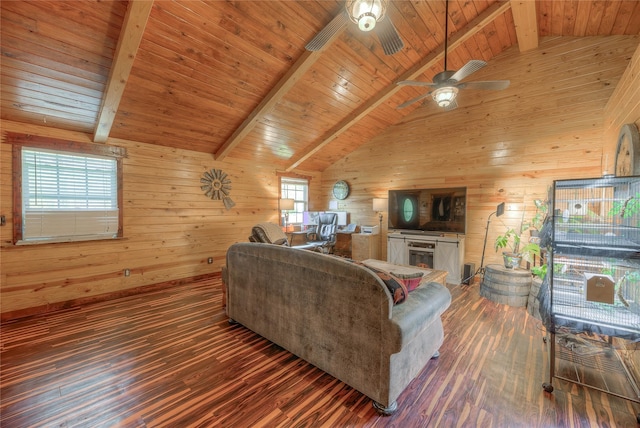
[333,27]
[389,37]
[494,85]
[414,100]
[415,83]
[467,69]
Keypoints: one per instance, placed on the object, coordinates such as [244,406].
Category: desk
[292,237]
[343,244]
[365,246]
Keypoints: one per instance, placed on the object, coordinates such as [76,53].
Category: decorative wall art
[216,185]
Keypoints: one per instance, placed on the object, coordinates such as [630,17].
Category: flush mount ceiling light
[366,13]
[445,96]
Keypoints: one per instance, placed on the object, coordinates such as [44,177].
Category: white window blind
[68,196]
[298,190]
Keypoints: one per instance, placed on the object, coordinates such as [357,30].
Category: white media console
[441,252]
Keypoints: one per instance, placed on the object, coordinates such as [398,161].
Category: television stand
[421,232]
[440,252]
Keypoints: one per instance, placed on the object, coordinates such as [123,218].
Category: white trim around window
[65,191]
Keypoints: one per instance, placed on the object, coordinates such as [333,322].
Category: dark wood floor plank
[170,358]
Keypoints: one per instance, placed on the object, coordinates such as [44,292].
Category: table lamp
[286,205]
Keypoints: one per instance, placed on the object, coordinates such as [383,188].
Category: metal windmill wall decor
[217,185]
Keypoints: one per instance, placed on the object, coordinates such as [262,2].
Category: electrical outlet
[210,260]
[127,272]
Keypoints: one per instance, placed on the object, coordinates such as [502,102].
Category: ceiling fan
[369,15]
[447,83]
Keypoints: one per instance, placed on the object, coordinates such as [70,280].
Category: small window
[66,195]
[298,190]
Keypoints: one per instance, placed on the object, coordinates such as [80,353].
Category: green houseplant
[511,240]
[537,221]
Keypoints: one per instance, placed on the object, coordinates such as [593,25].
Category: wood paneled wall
[624,107]
[505,146]
[170,227]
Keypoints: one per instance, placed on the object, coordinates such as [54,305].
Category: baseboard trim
[69,304]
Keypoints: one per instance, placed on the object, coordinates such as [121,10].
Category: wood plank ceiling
[233,78]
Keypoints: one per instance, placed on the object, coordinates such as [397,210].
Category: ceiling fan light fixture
[366,13]
[445,95]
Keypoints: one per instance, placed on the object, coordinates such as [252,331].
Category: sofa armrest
[424,306]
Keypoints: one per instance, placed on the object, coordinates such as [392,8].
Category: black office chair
[323,237]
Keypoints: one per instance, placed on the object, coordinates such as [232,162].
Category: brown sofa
[337,315]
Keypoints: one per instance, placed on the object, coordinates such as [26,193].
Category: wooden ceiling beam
[525,19]
[133,27]
[416,71]
[301,66]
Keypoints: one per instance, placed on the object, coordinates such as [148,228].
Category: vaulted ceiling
[233,78]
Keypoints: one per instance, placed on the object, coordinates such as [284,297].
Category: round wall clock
[341,190]
[628,151]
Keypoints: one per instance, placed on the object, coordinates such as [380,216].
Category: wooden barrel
[506,286]
[533,304]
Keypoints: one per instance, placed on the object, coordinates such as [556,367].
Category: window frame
[293,181]
[18,141]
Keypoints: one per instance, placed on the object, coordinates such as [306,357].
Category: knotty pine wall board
[505,145]
[542,135]
[624,107]
[170,226]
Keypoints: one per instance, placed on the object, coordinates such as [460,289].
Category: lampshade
[445,95]
[287,204]
[366,13]
[379,205]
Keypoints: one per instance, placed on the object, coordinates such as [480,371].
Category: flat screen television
[429,210]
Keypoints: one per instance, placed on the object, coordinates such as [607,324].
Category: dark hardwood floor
[170,358]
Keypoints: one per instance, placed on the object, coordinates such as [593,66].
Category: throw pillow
[410,280]
[396,287]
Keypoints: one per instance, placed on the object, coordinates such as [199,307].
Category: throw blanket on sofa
[273,233]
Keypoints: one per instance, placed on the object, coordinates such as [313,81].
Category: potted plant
[537,221]
[511,240]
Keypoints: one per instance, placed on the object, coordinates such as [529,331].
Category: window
[298,190]
[70,194]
